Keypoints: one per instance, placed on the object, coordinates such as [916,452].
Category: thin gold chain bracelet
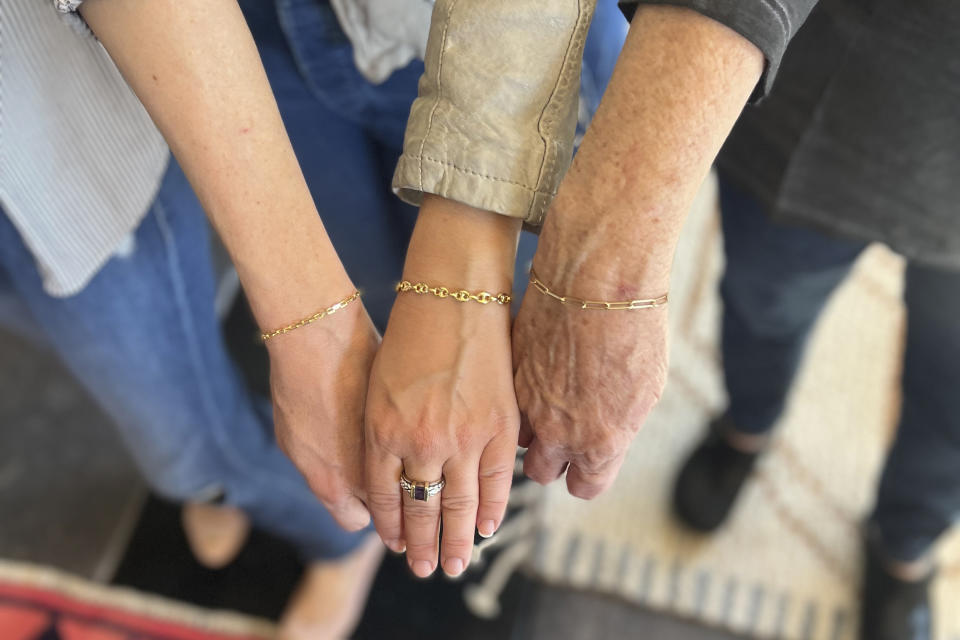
[319,315]
[460,295]
[620,305]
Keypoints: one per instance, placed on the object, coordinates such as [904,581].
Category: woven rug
[788,564]
[38,603]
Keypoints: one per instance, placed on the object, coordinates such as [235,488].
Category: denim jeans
[776,282]
[143,338]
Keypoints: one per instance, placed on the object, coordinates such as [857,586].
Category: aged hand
[585,382]
[318,379]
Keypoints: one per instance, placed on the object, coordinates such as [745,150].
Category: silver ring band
[421,491]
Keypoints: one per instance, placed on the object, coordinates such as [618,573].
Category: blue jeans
[144,340]
[143,337]
[776,282]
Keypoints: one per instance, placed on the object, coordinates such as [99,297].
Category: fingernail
[397,546]
[422,568]
[487,528]
[453,567]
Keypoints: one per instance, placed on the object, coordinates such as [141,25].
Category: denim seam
[209,405]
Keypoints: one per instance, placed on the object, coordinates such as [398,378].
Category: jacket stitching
[420,158]
[546,116]
[436,104]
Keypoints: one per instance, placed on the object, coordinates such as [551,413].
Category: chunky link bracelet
[620,305]
[311,319]
[460,295]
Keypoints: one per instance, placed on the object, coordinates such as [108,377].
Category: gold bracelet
[483,297]
[311,319]
[652,303]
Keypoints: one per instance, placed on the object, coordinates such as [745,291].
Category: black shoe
[710,481]
[893,609]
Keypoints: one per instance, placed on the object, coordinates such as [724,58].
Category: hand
[585,382]
[441,400]
[318,379]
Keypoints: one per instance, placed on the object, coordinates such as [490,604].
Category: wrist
[291,273]
[460,247]
[606,253]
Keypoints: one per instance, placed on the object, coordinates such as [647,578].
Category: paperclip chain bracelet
[311,319]
[620,305]
[460,295]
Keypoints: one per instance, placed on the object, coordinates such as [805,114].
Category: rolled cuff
[768,24]
[494,123]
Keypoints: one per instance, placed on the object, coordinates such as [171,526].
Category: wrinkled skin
[585,381]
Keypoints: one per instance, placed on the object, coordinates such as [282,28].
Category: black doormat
[261,579]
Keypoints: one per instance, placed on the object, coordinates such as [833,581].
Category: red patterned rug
[43,604]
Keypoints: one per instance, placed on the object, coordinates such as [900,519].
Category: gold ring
[418,490]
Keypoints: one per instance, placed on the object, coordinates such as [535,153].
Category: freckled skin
[214,88]
[586,380]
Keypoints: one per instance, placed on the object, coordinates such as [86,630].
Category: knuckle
[587,484]
[459,504]
[585,491]
[495,476]
[419,516]
[423,442]
[353,525]
[387,530]
[421,550]
[457,544]
[595,459]
[539,475]
[383,500]
[330,491]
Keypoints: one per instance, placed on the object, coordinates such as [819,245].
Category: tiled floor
[69,497]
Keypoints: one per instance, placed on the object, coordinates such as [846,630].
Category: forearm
[195,67]
[679,86]
[461,247]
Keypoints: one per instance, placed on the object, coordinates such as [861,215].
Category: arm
[681,83]
[194,65]
[487,132]
[441,399]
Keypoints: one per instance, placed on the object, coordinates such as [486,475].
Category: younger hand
[318,380]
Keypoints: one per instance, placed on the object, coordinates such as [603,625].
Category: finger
[526,432]
[349,512]
[421,519]
[496,476]
[460,498]
[382,474]
[588,483]
[543,463]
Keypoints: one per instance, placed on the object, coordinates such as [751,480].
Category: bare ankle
[744,442]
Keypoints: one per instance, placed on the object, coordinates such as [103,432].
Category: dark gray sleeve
[769,24]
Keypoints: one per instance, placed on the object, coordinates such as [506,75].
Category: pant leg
[326,107]
[14,314]
[776,282]
[919,493]
[144,340]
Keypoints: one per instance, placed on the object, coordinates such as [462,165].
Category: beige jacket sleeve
[494,122]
